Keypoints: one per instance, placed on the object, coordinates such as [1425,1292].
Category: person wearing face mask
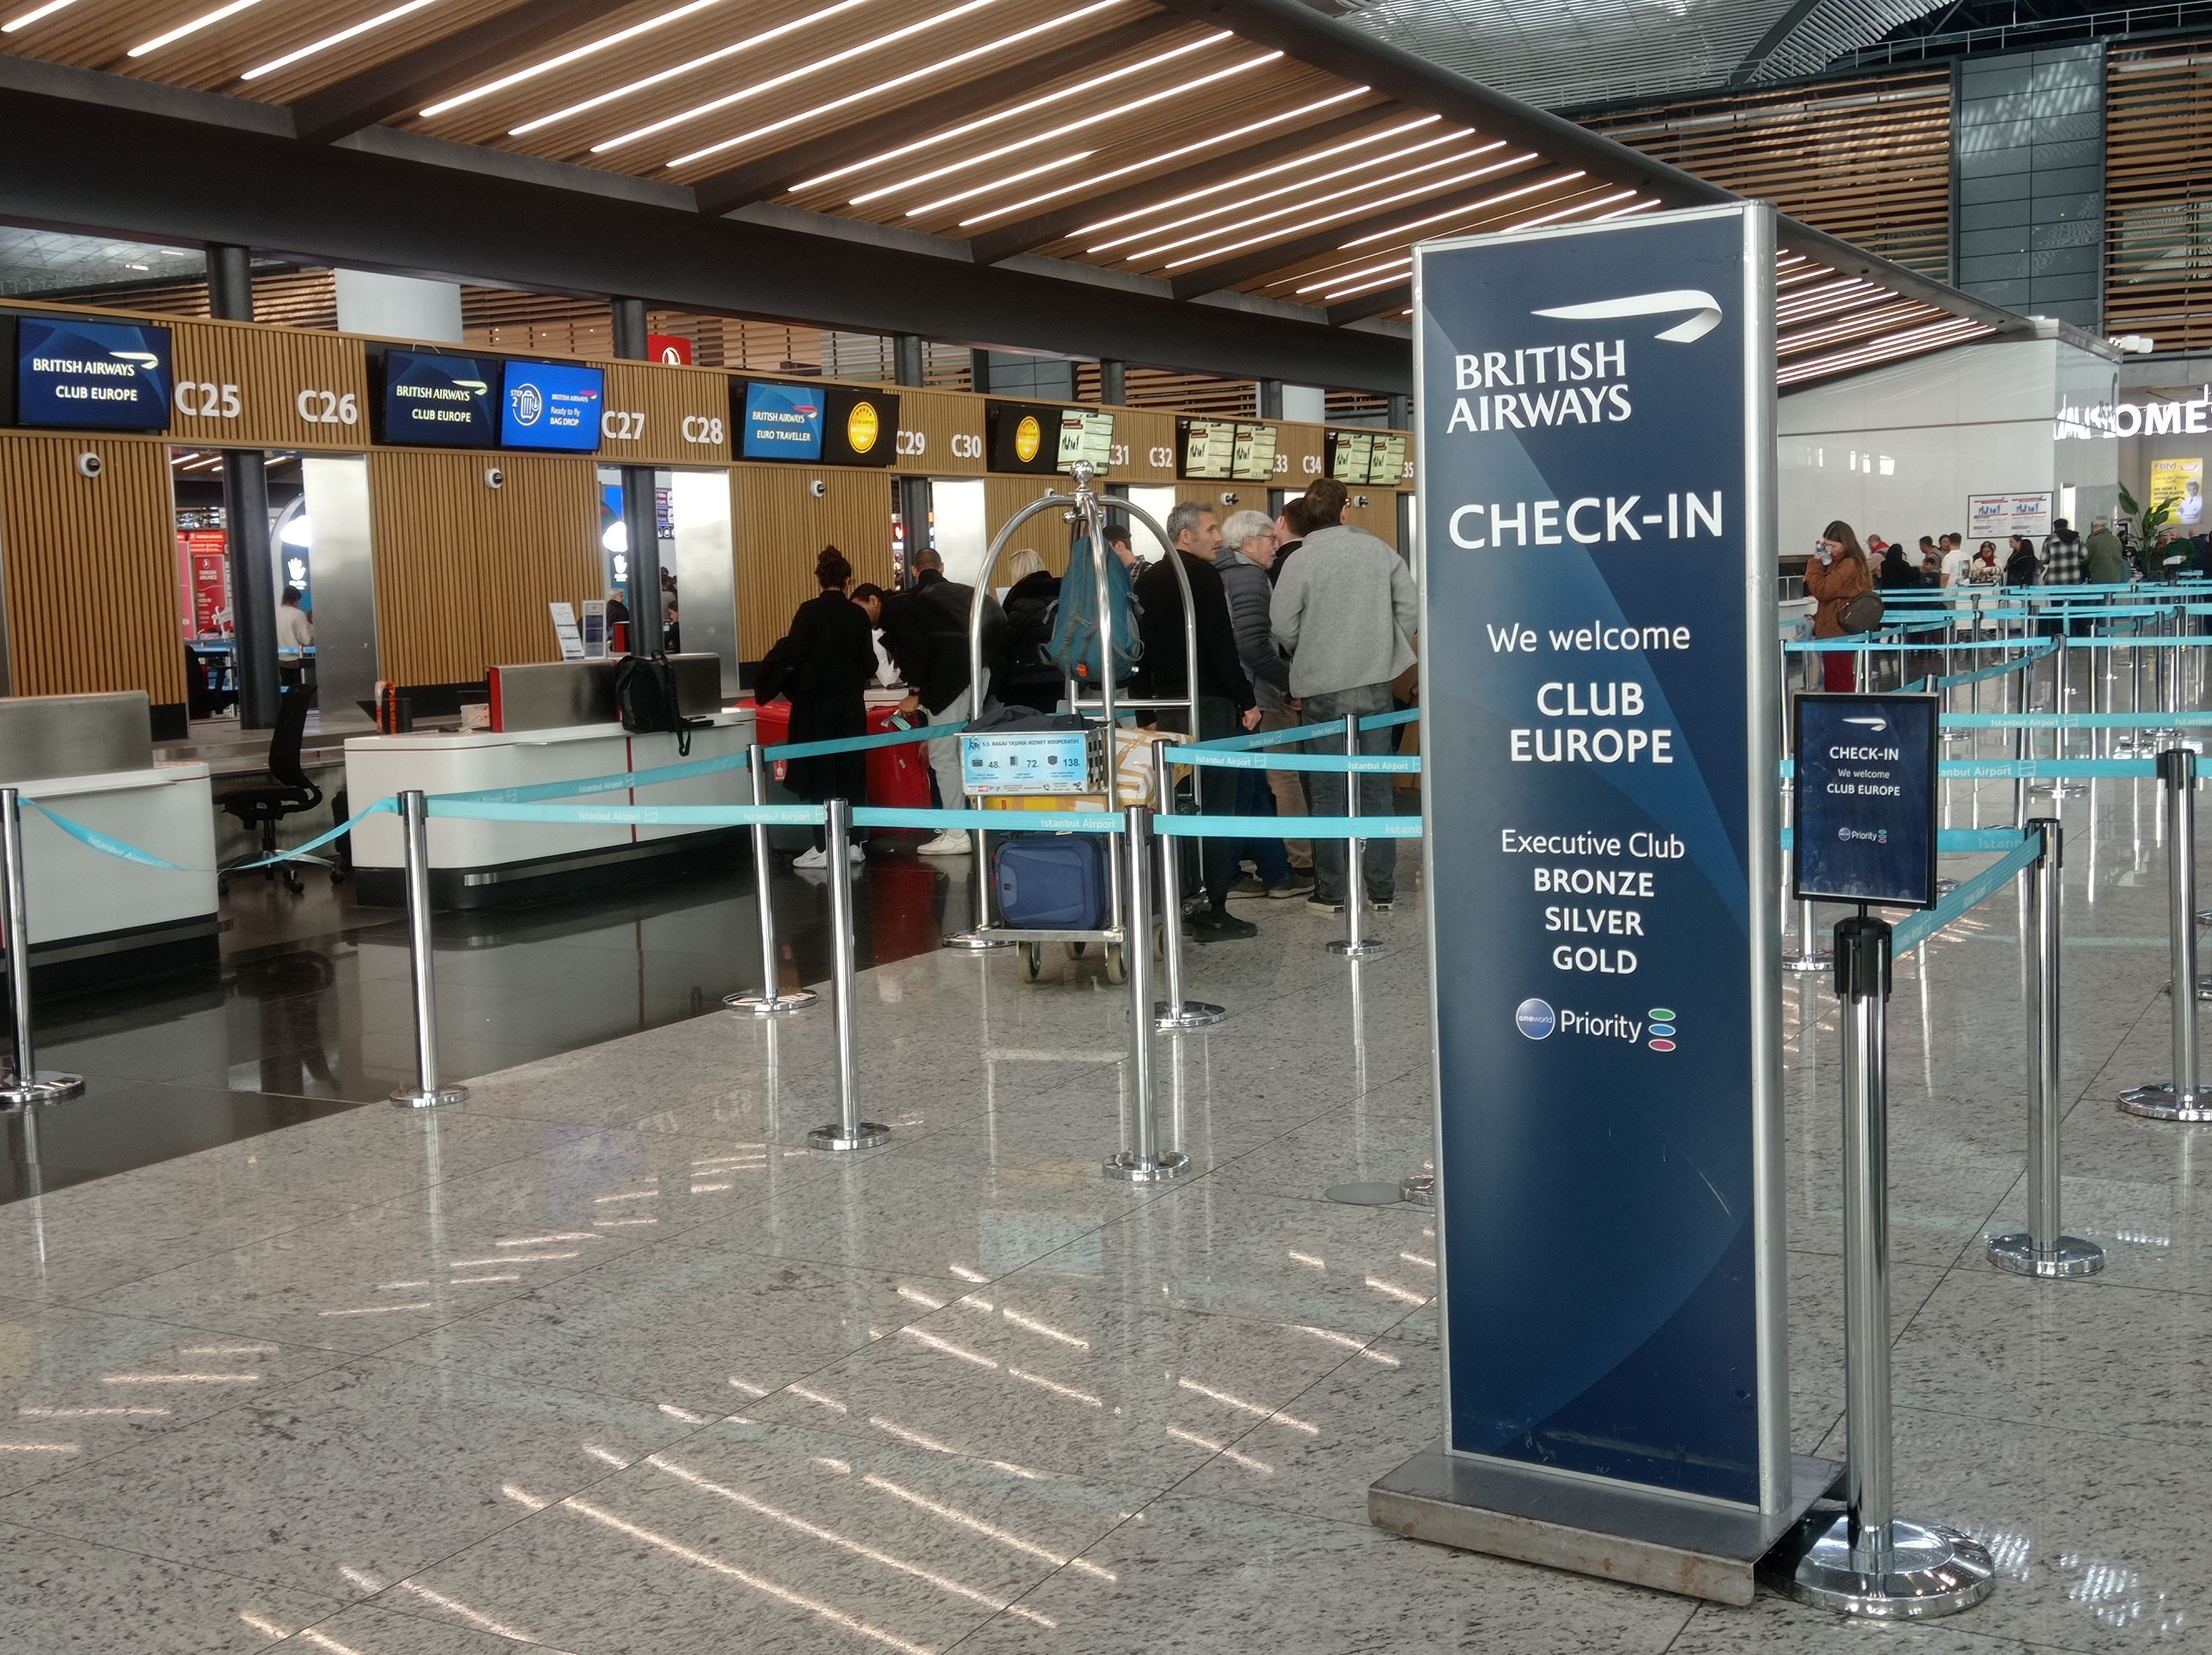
[1834,577]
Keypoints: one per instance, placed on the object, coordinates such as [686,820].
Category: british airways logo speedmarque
[1575,382]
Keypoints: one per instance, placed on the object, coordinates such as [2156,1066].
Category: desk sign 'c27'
[1865,828]
[1596,456]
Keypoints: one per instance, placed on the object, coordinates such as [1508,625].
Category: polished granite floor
[605,1361]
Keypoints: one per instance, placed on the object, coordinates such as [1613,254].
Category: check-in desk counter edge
[478,864]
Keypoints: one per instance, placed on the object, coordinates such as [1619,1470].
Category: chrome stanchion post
[2042,1249]
[2180,1098]
[849,1131]
[427,1093]
[1354,944]
[1175,1011]
[24,1083]
[1810,956]
[768,1001]
[1865,1560]
[1148,1163]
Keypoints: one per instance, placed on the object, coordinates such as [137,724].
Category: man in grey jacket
[1247,547]
[1346,612]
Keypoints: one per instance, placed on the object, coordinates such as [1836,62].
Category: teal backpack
[1072,643]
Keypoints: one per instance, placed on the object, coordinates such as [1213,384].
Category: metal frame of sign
[1798,891]
[1525,1506]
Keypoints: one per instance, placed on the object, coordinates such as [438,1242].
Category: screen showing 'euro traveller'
[782,421]
[446,402]
[552,405]
[107,376]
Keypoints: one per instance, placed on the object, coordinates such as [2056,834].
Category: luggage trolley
[1085,508]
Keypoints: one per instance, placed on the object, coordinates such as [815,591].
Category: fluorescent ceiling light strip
[1354,274]
[34,15]
[1251,201]
[330,40]
[592,48]
[1116,113]
[1623,212]
[1151,162]
[1360,209]
[1254,177]
[1569,212]
[1900,344]
[734,49]
[997,117]
[999,182]
[1472,208]
[1397,279]
[202,22]
[1886,319]
[1890,306]
[881,86]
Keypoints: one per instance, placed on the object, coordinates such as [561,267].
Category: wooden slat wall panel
[2158,223]
[464,571]
[941,434]
[1046,534]
[91,568]
[664,416]
[778,529]
[1867,158]
[283,376]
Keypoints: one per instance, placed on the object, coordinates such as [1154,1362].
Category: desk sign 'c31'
[1596,463]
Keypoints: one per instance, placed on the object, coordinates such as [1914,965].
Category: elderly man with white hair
[1248,550]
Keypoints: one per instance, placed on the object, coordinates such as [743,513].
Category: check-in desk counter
[481,864]
[97,918]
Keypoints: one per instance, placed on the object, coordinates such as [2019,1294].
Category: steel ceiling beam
[387,89]
[771,174]
[1381,302]
[106,169]
[1021,235]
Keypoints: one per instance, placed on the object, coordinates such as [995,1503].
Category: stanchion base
[434,1098]
[867,1136]
[771,1005]
[1932,1571]
[1352,950]
[1945,886]
[1419,1190]
[973,939]
[1191,1015]
[2204,988]
[1367,1192]
[2163,1103]
[1819,960]
[2072,1255]
[1124,1165]
[45,1086]
[2204,916]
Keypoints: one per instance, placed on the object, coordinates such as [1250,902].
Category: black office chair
[286,792]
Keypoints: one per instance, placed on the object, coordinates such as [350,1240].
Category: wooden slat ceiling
[1214,163]
[2158,224]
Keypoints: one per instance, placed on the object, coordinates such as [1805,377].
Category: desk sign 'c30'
[1596,474]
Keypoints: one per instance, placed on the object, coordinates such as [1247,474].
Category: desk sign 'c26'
[1865,828]
[1596,459]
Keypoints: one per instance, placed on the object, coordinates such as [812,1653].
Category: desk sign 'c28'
[1865,828]
[1596,462]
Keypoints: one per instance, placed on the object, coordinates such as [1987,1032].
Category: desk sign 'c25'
[1596,457]
[1865,799]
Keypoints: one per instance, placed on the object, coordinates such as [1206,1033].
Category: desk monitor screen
[1254,456]
[439,401]
[1087,435]
[84,375]
[552,405]
[1386,466]
[782,421]
[1351,455]
[1209,449]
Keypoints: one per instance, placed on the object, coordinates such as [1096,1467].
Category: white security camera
[1229,499]
[89,464]
[494,477]
[818,488]
[1360,501]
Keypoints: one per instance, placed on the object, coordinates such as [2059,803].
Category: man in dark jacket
[926,631]
[1247,551]
[1225,701]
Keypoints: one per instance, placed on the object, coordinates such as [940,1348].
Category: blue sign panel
[1595,408]
[552,405]
[1865,800]
[446,402]
[98,375]
[782,421]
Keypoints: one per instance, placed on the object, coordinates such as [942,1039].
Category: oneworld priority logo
[1535,1019]
[1661,1028]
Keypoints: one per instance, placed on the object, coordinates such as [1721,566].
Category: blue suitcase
[1050,881]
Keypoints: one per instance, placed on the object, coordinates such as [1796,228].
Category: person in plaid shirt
[2063,556]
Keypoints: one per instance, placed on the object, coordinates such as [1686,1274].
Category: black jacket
[1025,677]
[831,652]
[926,630]
[1164,667]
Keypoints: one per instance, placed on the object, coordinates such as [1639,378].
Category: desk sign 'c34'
[1596,474]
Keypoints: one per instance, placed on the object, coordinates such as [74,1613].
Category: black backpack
[645,689]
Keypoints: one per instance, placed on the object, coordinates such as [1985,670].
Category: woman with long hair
[1836,576]
[828,660]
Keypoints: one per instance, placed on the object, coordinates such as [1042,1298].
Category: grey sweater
[1345,611]
[1245,584]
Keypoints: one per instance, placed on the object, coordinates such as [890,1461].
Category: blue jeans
[1254,797]
[1378,858]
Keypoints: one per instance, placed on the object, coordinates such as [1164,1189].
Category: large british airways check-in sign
[1596,445]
